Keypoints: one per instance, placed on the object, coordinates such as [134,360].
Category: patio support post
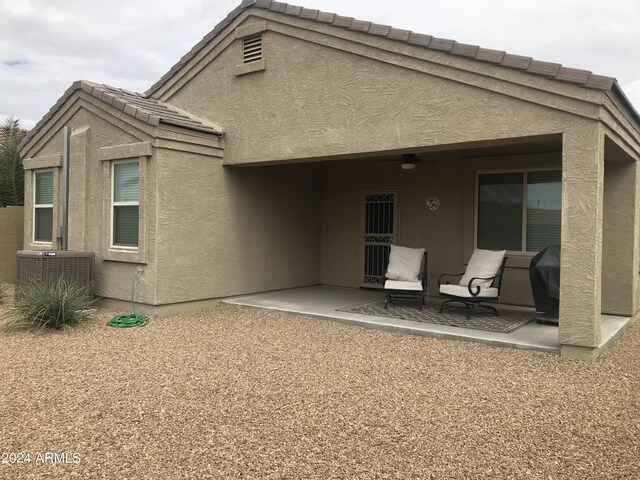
[582,210]
[619,237]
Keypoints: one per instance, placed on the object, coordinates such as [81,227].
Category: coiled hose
[125,320]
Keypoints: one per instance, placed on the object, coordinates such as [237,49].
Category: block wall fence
[11,240]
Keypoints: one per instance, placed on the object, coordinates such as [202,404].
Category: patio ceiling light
[408,161]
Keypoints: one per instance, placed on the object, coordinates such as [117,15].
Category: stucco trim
[614,117]
[252,67]
[120,152]
[188,148]
[246,31]
[46,161]
[615,137]
[77,102]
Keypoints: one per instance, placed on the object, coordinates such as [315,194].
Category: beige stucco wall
[11,228]
[315,101]
[213,231]
[226,231]
[89,183]
[619,277]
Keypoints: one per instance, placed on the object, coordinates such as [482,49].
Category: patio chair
[404,277]
[480,283]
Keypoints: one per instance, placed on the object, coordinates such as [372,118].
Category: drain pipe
[64,229]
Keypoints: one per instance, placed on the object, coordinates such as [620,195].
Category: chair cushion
[400,285]
[483,264]
[404,263]
[463,291]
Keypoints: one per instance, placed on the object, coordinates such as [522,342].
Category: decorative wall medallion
[433,203]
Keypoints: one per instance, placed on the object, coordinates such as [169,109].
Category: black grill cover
[544,274]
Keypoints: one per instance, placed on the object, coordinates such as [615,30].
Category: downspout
[64,229]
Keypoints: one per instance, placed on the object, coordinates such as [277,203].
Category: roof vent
[252,51]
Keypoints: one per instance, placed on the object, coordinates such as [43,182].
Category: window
[126,202]
[519,211]
[43,207]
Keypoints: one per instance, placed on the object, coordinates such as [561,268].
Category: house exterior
[269,157]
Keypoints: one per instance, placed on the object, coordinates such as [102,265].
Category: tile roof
[146,109]
[554,71]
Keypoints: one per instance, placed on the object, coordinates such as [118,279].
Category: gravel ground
[238,393]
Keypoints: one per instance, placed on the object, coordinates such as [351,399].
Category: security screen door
[380,224]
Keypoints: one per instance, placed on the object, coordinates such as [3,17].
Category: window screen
[126,196]
[544,208]
[43,207]
[500,211]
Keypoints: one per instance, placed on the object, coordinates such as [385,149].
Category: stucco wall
[316,101]
[89,183]
[446,233]
[619,238]
[11,228]
[226,231]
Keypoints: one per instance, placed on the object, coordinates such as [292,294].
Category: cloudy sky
[45,45]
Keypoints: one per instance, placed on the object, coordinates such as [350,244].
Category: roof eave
[96,91]
[629,110]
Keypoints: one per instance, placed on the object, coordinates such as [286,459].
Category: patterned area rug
[507,322]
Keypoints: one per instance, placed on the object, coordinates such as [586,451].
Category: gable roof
[148,110]
[550,70]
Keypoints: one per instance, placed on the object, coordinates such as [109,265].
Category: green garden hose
[125,320]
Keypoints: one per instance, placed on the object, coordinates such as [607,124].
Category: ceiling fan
[408,161]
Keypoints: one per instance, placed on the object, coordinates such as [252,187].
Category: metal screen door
[380,220]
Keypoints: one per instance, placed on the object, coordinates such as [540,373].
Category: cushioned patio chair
[404,277]
[480,283]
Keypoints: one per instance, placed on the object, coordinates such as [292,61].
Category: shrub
[49,305]
[4,292]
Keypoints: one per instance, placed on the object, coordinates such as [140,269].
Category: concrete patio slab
[323,301]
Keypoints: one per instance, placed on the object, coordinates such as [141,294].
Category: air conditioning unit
[73,266]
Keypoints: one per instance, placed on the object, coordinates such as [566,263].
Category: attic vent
[252,49]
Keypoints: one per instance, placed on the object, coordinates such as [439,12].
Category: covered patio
[520,194]
[329,303]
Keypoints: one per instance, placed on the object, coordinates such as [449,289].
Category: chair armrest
[478,288]
[448,275]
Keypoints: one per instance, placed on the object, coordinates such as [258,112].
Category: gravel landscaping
[239,393]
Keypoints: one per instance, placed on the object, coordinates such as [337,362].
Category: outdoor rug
[508,321]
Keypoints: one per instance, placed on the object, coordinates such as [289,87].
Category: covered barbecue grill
[544,274]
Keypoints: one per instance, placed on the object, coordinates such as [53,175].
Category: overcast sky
[45,45]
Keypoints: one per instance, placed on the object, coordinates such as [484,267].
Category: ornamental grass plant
[54,305]
[4,293]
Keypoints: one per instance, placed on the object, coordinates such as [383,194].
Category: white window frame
[525,177]
[43,205]
[114,204]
